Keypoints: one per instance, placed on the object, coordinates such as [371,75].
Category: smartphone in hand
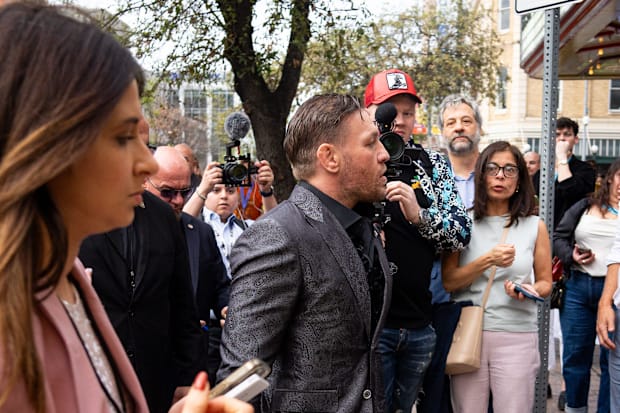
[245,383]
[527,294]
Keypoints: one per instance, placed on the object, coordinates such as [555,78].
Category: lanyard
[245,193]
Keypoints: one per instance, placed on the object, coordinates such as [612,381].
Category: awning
[589,45]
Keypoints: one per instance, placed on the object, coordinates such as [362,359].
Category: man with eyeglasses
[210,281]
[142,275]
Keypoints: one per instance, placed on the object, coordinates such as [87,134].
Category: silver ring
[583,261]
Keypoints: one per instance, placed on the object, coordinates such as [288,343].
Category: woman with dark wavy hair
[71,165]
[583,240]
[504,199]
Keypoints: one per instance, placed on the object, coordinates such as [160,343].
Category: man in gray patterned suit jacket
[311,283]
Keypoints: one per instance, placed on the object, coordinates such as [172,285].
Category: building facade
[516,115]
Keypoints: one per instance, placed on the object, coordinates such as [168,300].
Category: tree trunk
[268,110]
[269,133]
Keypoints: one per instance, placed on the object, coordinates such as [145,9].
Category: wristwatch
[266,194]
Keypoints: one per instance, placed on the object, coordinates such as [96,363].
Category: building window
[504,15]
[502,80]
[614,95]
[195,104]
[172,97]
[223,100]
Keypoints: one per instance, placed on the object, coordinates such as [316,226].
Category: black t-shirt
[411,256]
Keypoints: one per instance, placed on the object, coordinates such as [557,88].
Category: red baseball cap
[389,83]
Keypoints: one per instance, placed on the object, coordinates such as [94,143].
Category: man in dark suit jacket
[171,184]
[209,276]
[141,274]
[209,280]
[310,284]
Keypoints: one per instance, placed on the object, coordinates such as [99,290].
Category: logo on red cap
[389,83]
[396,80]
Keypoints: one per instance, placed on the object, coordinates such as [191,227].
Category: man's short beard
[472,141]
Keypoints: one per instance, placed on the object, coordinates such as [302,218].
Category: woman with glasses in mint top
[582,240]
[509,358]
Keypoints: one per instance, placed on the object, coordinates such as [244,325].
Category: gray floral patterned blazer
[300,301]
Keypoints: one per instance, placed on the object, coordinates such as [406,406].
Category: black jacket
[564,234]
[210,281]
[156,321]
[571,190]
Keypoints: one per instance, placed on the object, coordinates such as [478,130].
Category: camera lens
[393,144]
[235,173]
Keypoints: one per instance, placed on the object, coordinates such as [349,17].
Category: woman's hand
[197,400]
[606,326]
[582,256]
[503,255]
[509,287]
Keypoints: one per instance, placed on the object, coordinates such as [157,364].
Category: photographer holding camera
[426,216]
[214,175]
[235,172]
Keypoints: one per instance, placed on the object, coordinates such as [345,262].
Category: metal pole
[585,143]
[547,179]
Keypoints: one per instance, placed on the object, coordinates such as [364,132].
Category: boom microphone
[385,115]
[393,142]
[237,125]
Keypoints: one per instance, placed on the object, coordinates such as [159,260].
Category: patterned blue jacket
[446,222]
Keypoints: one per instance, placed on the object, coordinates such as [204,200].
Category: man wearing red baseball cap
[387,84]
[424,221]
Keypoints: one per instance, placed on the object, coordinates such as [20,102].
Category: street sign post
[528,6]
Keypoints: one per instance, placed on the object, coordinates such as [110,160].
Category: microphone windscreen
[237,125]
[385,113]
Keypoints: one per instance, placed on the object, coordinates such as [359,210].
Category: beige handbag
[464,354]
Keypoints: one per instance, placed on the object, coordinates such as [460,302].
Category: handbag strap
[487,291]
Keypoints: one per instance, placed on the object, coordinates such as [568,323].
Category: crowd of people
[128,272]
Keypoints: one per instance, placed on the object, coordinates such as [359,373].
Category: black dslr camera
[236,126]
[403,160]
[400,156]
[234,172]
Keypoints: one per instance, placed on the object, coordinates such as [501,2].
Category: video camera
[236,126]
[403,160]
[400,155]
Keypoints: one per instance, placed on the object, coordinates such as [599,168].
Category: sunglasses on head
[170,193]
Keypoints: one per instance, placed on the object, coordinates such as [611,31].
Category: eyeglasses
[170,193]
[510,171]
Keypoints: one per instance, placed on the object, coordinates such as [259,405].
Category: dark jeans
[405,355]
[578,321]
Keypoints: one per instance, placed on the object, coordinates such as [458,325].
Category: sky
[375,7]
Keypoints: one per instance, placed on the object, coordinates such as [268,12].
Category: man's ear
[329,157]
